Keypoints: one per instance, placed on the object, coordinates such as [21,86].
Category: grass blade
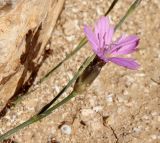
[49,111]
[111,7]
[129,11]
[76,75]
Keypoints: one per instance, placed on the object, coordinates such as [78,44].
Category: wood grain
[25,29]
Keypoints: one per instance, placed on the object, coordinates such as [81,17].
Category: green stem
[76,75]
[65,100]
[37,117]
[111,7]
[80,45]
[129,11]
[12,131]
[49,111]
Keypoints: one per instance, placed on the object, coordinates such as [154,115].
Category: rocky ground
[121,106]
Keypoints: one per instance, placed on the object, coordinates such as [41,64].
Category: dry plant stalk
[25,30]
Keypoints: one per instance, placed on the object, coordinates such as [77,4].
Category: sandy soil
[121,106]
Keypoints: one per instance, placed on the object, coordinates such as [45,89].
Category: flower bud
[89,75]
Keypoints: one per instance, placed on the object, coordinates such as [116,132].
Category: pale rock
[66,129]
[97,108]
[87,112]
[70,27]
[136,129]
[96,125]
[153,137]
[109,98]
[111,120]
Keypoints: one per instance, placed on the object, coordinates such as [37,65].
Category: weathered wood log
[25,29]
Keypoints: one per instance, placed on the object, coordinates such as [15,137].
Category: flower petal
[104,31]
[108,38]
[123,40]
[125,45]
[125,62]
[91,37]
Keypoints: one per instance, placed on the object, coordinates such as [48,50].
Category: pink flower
[108,50]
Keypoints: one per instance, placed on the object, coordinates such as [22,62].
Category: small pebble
[87,112]
[66,129]
[137,130]
[153,137]
[97,108]
[109,98]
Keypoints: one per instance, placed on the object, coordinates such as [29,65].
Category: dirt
[121,106]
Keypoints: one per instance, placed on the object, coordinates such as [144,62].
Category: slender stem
[65,100]
[129,11]
[76,75]
[80,45]
[111,7]
[49,111]
[12,131]
[37,117]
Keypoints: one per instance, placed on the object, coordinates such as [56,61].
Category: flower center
[108,49]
